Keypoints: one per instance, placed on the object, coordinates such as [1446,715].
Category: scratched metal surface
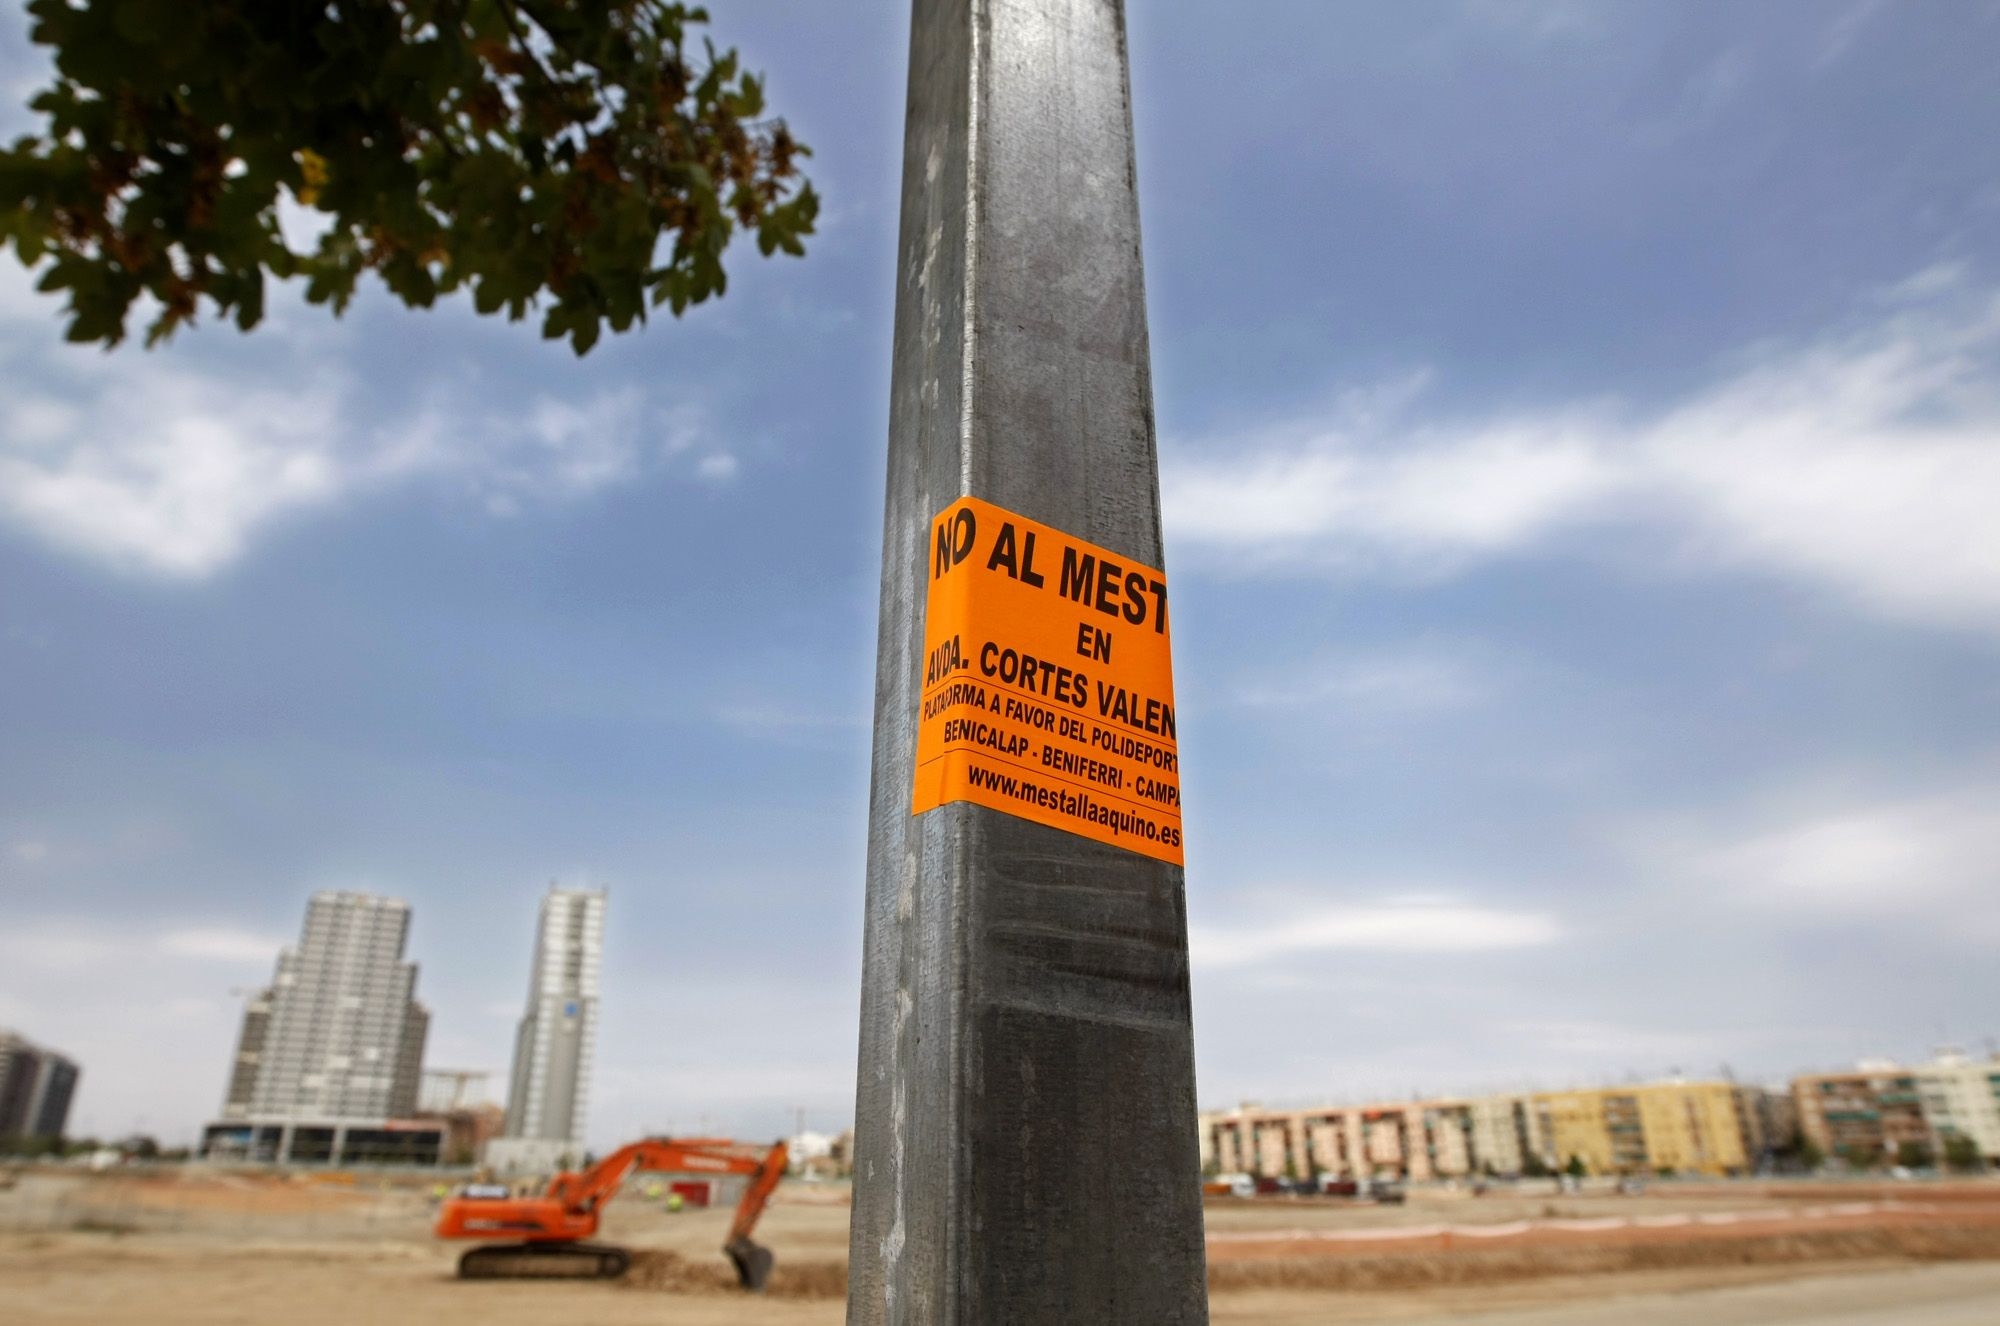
[1025,1109]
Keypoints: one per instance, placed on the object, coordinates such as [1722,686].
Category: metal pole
[1026,1145]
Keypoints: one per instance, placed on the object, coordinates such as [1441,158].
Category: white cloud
[1864,463]
[1442,501]
[556,450]
[165,472]
[1840,34]
[1926,283]
[717,468]
[62,944]
[1907,854]
[768,719]
[1397,684]
[1396,925]
[1702,99]
[1555,1042]
[168,463]
[1540,24]
[57,947]
[587,447]
[221,945]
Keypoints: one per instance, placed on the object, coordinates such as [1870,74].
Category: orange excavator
[552,1231]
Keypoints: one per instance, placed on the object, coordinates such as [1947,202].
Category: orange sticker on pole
[1048,682]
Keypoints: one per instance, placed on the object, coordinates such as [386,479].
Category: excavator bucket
[753,1263]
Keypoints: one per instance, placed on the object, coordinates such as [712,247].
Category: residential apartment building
[329,1057]
[1770,1122]
[1505,1132]
[1691,1127]
[37,1085]
[1865,1115]
[1575,1128]
[1960,1097]
[549,1089]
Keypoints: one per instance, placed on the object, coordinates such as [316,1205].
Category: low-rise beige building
[1692,1127]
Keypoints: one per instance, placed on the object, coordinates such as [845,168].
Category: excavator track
[544,1261]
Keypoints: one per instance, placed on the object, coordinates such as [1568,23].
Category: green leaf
[250,305]
[541,153]
[144,22]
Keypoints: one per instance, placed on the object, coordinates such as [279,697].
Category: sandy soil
[67,1280]
[76,1279]
[1862,1295]
[237,1249]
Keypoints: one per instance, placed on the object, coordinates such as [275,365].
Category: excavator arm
[753,1262]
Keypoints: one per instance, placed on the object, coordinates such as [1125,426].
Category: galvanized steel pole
[1025,1112]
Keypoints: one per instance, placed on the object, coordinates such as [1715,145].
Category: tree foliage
[16,1144]
[580,157]
[1962,1152]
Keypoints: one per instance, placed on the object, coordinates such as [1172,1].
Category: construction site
[212,1245]
[1562,427]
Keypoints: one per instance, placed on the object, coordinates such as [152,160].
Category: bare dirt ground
[219,1248]
[1859,1294]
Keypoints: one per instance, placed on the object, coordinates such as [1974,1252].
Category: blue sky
[1580,449]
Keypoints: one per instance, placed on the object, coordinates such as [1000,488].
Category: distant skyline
[1579,432]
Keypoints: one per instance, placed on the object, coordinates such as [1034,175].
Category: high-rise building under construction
[549,1089]
[333,1050]
[346,1034]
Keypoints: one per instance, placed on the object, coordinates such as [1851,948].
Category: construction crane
[551,1232]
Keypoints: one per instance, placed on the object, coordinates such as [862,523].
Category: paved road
[1958,1294]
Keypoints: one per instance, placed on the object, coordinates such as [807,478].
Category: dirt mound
[668,1272]
[821,1279]
[1473,1267]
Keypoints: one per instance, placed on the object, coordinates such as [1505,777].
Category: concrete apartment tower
[549,1089]
[345,1036]
[36,1085]
[330,1054]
